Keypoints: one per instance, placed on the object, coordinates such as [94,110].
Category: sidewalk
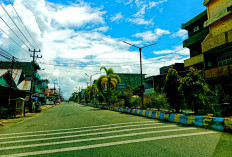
[8,122]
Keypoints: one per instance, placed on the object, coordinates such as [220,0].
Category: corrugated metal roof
[3,71]
[25,85]
[16,75]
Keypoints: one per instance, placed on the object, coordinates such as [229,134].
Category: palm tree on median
[91,91]
[108,82]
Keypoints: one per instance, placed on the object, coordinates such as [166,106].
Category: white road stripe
[97,133]
[106,144]
[95,126]
[79,131]
[93,139]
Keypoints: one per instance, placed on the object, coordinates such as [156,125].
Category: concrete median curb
[216,123]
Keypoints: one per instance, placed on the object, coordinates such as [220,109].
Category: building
[129,79]
[157,82]
[217,46]
[9,82]
[196,34]
[177,66]
[29,70]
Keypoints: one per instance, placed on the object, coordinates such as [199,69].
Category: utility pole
[141,69]
[33,68]
[54,82]
[12,67]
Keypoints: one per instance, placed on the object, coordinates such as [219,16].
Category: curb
[216,123]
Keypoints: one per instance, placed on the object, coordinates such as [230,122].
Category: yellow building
[217,46]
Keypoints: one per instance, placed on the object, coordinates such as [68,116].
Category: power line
[14,40]
[15,24]
[7,53]
[23,23]
[14,33]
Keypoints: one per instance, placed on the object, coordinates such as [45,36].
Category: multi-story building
[196,34]
[129,79]
[217,46]
[157,82]
[177,66]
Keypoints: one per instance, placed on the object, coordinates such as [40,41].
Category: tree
[195,90]
[127,94]
[171,86]
[91,91]
[159,100]
[74,97]
[108,82]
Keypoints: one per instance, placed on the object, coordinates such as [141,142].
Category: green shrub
[147,102]
[135,101]
[159,100]
[95,102]
[120,103]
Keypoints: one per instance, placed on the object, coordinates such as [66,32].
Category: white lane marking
[97,133]
[94,126]
[78,131]
[106,144]
[93,139]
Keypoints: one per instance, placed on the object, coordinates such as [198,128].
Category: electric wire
[23,23]
[6,54]
[15,24]
[13,40]
[15,33]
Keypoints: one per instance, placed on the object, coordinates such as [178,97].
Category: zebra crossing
[47,142]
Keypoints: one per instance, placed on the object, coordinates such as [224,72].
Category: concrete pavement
[70,129]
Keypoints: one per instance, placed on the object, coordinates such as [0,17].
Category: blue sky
[78,37]
[168,15]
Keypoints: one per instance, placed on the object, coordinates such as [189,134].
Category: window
[229,8]
[195,29]
[224,60]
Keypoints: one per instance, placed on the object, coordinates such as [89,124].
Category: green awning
[3,82]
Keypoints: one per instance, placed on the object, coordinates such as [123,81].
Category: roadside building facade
[156,82]
[217,46]
[196,35]
[129,79]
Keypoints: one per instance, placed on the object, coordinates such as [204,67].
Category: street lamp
[90,77]
[141,70]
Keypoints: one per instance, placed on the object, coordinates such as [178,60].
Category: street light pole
[90,77]
[141,69]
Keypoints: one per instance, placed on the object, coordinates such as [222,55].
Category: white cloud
[151,36]
[183,34]
[140,21]
[70,53]
[117,17]
[177,50]
[76,15]
[102,29]
[143,7]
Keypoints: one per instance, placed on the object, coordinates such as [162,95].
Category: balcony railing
[196,38]
[219,72]
[193,60]
[212,42]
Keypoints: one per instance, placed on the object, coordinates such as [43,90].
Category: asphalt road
[71,129]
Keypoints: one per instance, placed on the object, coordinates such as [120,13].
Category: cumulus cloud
[152,35]
[69,51]
[76,15]
[183,34]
